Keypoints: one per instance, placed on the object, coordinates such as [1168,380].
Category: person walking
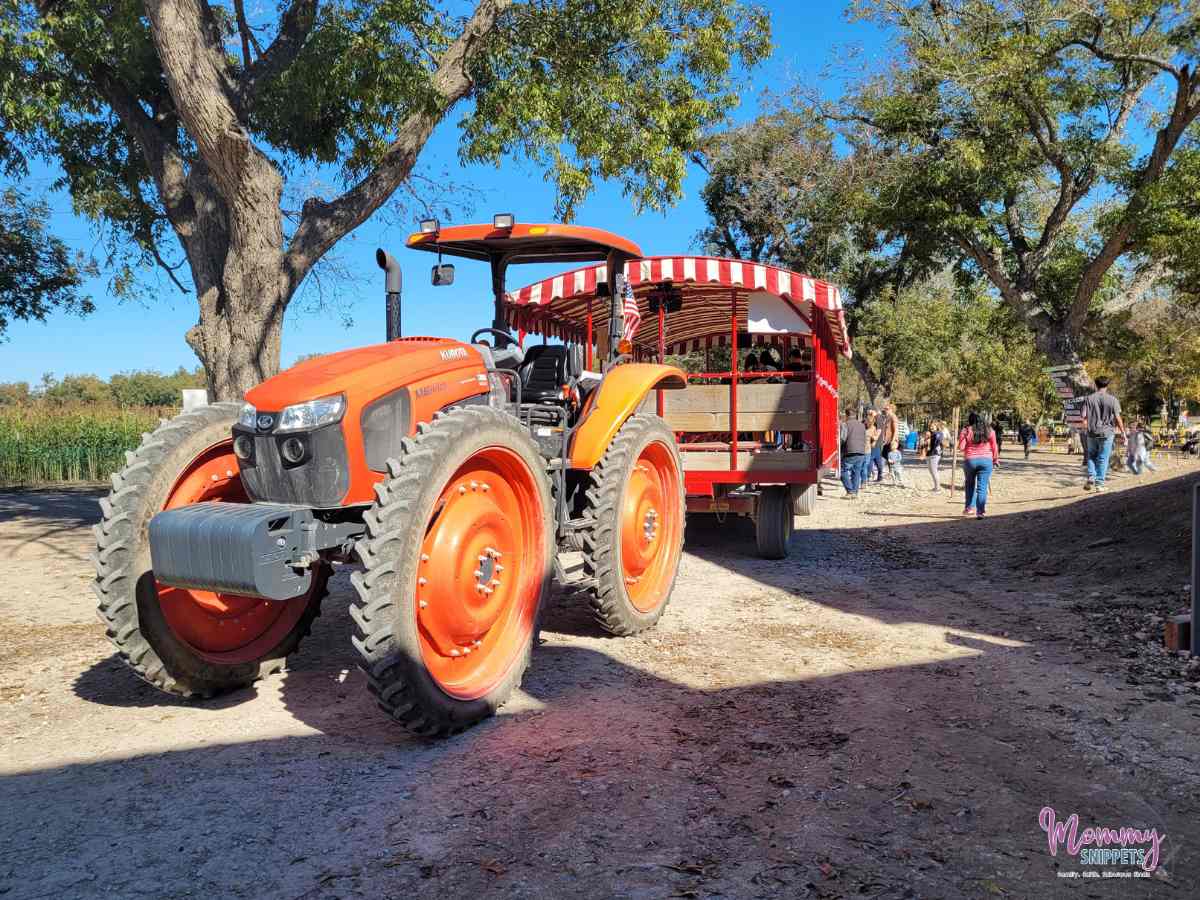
[889,434]
[1101,420]
[980,457]
[933,457]
[1026,435]
[875,460]
[854,448]
[1140,441]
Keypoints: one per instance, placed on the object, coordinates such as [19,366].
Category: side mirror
[443,273]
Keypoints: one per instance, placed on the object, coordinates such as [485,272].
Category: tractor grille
[320,479]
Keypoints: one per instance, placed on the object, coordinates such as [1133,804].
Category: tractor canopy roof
[699,296]
[525,243]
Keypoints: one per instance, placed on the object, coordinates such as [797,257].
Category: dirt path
[884,715]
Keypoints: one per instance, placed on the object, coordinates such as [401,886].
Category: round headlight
[292,449]
[243,447]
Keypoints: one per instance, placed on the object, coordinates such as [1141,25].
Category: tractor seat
[543,373]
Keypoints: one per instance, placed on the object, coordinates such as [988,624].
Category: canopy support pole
[662,350]
[588,344]
[733,382]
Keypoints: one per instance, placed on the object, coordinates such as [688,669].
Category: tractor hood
[363,372]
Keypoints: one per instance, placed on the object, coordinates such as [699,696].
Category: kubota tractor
[459,474]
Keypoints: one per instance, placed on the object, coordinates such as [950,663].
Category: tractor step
[568,569]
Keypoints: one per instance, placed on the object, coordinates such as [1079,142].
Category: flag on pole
[629,310]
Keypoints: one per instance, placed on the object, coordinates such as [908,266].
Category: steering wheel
[497,333]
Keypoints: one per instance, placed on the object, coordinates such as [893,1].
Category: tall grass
[47,444]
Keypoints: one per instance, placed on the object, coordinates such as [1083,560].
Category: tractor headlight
[247,415]
[313,414]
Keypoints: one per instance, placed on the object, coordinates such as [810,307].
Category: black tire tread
[120,534]
[773,522]
[606,594]
[389,523]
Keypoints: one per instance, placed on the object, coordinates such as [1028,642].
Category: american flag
[629,310]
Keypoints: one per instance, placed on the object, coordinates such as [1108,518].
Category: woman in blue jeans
[981,455]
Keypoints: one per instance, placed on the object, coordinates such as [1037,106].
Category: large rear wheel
[187,642]
[633,537]
[458,557]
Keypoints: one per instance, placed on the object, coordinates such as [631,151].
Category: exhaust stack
[392,282]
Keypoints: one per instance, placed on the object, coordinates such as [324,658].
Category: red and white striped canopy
[559,306]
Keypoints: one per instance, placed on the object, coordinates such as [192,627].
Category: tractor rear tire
[178,645]
[458,557]
[773,521]
[633,536]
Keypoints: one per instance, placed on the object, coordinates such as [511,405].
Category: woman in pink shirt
[980,455]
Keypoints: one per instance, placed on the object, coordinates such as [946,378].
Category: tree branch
[161,153]
[239,11]
[1138,58]
[294,28]
[325,223]
[1184,111]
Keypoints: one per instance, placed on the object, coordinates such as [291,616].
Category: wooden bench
[761,407]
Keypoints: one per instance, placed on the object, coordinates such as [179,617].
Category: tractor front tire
[458,556]
[634,523]
[188,643]
[773,521]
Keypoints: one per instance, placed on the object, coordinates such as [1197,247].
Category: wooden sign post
[953,454]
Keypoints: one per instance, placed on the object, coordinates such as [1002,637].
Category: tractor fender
[615,400]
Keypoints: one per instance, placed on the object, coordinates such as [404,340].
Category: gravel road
[885,714]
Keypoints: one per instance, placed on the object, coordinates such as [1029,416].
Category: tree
[1014,128]
[1153,352]
[778,191]
[945,343]
[187,118]
[38,273]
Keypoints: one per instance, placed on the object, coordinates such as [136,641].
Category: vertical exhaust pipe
[392,281]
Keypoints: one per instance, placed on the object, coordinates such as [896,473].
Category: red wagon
[752,442]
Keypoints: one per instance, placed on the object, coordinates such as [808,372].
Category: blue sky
[811,40]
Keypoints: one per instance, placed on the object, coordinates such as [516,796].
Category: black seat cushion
[544,373]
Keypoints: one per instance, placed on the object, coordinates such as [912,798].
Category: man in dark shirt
[854,447]
[1026,435]
[1101,420]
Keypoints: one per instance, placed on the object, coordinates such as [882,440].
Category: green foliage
[124,390]
[942,343]
[1152,353]
[38,273]
[1010,132]
[43,444]
[586,89]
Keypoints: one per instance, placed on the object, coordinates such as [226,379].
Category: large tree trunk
[869,379]
[223,199]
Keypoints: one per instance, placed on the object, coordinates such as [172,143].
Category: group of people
[873,441]
[869,444]
[767,360]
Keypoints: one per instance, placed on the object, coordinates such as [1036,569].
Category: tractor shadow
[604,780]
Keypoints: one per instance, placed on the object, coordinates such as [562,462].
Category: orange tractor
[463,476]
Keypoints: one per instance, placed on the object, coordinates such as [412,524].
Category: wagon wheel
[187,642]
[458,556]
[773,521]
[633,537]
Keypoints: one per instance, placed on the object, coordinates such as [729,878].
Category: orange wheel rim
[479,577]
[650,523]
[222,628]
